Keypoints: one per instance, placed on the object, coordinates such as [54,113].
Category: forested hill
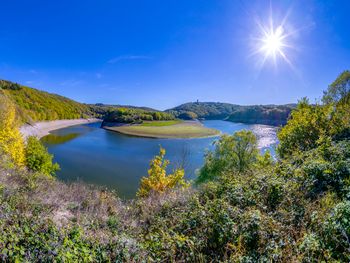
[204,110]
[261,114]
[35,105]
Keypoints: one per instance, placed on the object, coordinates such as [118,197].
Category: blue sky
[166,52]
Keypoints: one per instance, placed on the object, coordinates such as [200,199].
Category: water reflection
[53,139]
[266,135]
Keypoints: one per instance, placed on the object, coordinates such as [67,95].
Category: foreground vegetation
[165,129]
[246,207]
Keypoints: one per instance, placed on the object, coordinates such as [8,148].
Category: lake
[116,161]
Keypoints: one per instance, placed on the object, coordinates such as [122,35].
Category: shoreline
[43,128]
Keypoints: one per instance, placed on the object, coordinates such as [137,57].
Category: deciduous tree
[158,181]
[11,141]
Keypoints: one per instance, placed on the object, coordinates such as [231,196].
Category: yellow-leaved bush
[158,181]
[11,141]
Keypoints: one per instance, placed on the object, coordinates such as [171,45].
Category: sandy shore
[41,129]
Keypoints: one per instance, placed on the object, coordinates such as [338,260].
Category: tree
[157,116]
[158,181]
[9,85]
[233,153]
[188,115]
[11,141]
[338,89]
[305,126]
[38,159]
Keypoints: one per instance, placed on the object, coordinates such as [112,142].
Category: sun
[272,43]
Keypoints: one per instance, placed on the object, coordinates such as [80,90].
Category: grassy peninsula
[153,124]
[165,129]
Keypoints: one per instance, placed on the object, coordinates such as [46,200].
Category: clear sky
[166,52]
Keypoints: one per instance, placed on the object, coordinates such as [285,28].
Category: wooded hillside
[35,105]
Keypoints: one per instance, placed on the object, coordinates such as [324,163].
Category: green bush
[38,159]
[237,152]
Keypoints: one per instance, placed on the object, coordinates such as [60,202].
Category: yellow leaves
[11,141]
[158,181]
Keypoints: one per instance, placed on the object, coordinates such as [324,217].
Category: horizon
[161,55]
[142,106]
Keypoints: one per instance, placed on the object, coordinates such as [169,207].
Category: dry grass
[65,204]
[87,206]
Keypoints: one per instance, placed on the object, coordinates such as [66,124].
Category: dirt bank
[41,129]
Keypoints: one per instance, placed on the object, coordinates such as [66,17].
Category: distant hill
[262,114]
[103,109]
[259,114]
[205,110]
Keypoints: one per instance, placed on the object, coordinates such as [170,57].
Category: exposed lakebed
[117,161]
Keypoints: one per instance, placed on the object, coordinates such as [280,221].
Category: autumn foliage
[11,141]
[158,181]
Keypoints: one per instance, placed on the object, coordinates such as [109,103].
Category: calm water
[94,155]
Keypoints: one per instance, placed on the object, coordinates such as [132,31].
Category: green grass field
[159,123]
[167,129]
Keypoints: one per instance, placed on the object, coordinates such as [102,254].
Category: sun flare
[272,43]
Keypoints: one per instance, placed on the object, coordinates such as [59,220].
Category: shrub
[307,123]
[158,181]
[235,153]
[38,159]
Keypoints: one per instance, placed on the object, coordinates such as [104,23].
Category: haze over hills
[36,105]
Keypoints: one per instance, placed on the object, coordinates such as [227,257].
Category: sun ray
[273,40]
